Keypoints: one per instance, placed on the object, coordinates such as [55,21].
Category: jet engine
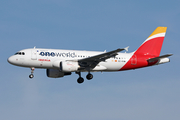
[69,66]
[55,73]
[66,66]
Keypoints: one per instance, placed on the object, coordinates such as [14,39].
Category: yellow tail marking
[158,30]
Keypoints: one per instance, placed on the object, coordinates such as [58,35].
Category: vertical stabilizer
[152,45]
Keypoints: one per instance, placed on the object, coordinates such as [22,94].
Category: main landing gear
[81,80]
[32,71]
[89,76]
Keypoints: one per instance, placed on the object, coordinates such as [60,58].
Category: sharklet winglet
[126,48]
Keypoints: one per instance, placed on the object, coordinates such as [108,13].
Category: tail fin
[152,45]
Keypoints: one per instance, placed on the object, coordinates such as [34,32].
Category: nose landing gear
[32,71]
[31,76]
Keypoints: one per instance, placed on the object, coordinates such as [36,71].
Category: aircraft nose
[10,60]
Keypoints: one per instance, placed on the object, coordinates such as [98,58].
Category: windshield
[19,53]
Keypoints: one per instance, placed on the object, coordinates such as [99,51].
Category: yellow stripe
[158,30]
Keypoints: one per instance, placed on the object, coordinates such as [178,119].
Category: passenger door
[34,54]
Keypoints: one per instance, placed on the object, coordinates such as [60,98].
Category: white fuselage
[46,58]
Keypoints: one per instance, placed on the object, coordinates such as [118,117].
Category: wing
[91,62]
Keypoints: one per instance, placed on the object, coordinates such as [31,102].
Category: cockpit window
[19,53]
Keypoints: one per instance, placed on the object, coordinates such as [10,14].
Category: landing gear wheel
[31,76]
[89,76]
[80,80]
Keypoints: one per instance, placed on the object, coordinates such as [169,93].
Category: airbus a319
[59,63]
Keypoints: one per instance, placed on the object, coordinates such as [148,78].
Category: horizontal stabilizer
[158,58]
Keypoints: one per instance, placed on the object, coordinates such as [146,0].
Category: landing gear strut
[32,71]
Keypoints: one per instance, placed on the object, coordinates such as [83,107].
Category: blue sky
[143,94]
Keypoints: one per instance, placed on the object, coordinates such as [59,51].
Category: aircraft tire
[31,76]
[89,76]
[80,80]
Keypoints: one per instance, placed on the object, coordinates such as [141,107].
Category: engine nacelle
[55,73]
[69,66]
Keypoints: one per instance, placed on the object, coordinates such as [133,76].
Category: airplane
[59,63]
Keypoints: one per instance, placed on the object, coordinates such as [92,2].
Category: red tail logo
[152,45]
